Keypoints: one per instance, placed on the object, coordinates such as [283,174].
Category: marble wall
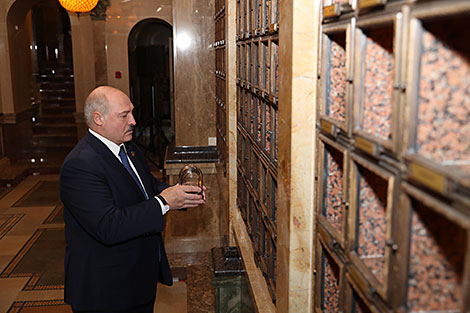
[122,16]
[194,71]
[193,65]
[204,227]
[100,46]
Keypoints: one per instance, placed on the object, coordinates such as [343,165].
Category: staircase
[54,128]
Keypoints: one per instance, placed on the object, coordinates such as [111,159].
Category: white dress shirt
[115,150]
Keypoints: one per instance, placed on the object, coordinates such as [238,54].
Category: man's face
[119,123]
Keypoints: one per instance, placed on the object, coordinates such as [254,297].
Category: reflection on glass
[191,175]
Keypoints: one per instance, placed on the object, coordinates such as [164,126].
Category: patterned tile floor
[31,252]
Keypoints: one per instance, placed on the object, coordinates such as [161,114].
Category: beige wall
[194,71]
[121,18]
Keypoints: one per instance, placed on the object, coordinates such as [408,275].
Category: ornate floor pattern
[7,222]
[48,306]
[32,245]
[44,193]
[41,259]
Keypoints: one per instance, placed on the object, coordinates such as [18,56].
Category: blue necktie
[125,162]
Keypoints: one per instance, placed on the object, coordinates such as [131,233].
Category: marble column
[194,72]
[99,44]
[6,95]
[83,59]
[298,52]
[231,105]
[18,34]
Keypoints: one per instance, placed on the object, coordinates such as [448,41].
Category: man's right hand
[179,197]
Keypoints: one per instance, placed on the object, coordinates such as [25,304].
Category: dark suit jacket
[113,234]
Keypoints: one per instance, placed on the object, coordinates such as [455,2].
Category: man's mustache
[131,128]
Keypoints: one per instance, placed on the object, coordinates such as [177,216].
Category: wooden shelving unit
[393,198]
[257,127]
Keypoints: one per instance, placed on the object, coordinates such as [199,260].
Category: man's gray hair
[95,102]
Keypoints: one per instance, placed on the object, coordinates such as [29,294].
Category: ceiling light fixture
[79,6]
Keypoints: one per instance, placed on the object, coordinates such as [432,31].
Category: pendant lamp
[79,6]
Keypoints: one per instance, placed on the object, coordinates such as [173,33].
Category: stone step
[42,128]
[47,93]
[58,103]
[55,78]
[59,84]
[56,63]
[59,135]
[56,108]
[46,139]
[56,118]
[55,131]
[57,152]
[46,168]
[55,98]
[56,70]
[51,146]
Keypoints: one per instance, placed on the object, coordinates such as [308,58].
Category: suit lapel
[111,160]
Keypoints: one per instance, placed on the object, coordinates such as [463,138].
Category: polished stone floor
[31,257]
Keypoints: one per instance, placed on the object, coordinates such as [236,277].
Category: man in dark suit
[113,212]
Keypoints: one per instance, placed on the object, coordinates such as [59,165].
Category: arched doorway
[54,131]
[39,33]
[151,86]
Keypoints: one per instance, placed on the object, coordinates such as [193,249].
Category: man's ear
[98,118]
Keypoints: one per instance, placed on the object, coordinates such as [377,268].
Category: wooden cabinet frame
[434,175]
[322,249]
[410,182]
[339,236]
[364,140]
[334,9]
[367,279]
[408,195]
[353,293]
[344,29]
